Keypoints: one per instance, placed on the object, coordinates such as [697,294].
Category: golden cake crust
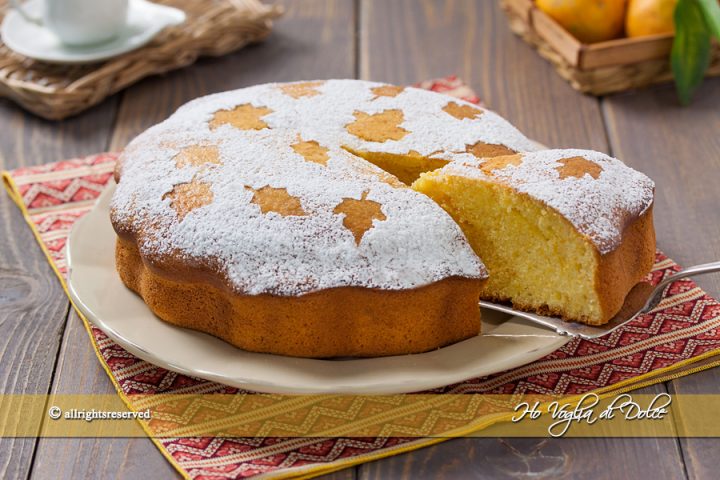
[346,321]
[620,270]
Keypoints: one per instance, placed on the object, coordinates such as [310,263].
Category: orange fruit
[650,17]
[588,20]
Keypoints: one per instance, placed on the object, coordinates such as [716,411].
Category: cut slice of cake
[406,167]
[441,131]
[562,232]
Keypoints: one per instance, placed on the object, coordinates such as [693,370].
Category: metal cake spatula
[642,299]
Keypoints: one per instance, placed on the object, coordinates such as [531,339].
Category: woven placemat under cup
[212,28]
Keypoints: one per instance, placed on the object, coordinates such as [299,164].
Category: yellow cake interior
[535,257]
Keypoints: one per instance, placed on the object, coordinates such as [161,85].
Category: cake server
[643,298]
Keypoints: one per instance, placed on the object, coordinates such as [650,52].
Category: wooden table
[44,348]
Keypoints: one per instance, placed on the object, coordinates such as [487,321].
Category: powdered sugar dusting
[325,117]
[413,243]
[600,208]
[294,144]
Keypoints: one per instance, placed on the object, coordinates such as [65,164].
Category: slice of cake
[562,232]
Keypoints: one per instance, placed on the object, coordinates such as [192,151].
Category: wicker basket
[213,27]
[597,68]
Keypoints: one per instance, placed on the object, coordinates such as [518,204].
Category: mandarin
[588,20]
[650,17]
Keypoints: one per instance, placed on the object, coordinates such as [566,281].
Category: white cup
[80,22]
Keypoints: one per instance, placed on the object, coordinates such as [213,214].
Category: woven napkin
[680,337]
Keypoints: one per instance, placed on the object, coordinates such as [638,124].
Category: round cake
[281,219]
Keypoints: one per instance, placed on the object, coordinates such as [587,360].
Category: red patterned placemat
[678,338]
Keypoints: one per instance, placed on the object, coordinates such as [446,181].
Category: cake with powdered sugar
[566,233]
[281,217]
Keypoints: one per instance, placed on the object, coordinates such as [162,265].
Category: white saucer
[95,288]
[145,20]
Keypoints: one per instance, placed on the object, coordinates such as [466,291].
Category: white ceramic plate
[145,20]
[95,288]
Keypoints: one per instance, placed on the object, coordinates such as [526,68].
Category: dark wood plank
[700,454]
[33,306]
[314,39]
[678,147]
[79,371]
[499,458]
[405,41]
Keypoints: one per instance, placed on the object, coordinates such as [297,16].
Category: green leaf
[711,11]
[690,54]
